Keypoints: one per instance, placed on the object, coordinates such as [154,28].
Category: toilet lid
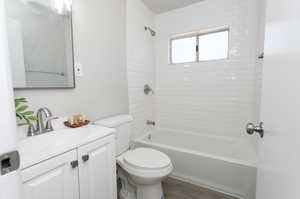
[147,158]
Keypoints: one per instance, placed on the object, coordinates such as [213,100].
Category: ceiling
[160,6]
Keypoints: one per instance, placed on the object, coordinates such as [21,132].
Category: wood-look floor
[175,189]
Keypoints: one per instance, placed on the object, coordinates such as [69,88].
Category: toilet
[140,170]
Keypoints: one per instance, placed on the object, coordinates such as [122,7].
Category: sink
[39,148]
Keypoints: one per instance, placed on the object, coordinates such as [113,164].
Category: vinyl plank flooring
[176,189]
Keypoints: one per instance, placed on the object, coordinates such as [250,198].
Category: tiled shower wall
[140,64]
[215,97]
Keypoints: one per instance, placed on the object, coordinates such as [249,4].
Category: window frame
[197,34]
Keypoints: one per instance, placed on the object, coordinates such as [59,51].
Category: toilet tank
[122,124]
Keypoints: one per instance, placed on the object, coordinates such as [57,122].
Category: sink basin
[39,148]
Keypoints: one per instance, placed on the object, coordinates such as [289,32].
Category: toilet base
[128,190]
[153,191]
[126,194]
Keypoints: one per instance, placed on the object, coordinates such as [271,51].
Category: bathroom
[149,99]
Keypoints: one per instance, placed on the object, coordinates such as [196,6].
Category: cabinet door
[53,179]
[97,170]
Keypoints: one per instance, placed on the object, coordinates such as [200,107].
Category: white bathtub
[221,164]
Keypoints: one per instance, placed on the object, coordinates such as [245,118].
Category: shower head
[152,32]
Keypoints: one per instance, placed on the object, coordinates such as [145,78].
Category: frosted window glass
[213,46]
[184,50]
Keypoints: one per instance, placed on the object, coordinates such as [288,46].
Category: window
[199,46]
[183,50]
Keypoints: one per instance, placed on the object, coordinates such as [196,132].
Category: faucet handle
[48,120]
[51,118]
[31,131]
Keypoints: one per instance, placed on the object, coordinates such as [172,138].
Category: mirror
[40,43]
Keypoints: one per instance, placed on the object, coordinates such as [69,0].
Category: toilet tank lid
[114,121]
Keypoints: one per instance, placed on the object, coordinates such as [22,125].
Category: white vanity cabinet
[85,172]
[97,170]
[52,179]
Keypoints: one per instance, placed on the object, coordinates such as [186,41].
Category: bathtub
[221,164]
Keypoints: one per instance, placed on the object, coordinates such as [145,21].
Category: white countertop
[42,147]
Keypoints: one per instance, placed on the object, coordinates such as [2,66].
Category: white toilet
[141,170]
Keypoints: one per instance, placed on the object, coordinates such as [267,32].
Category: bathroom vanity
[69,164]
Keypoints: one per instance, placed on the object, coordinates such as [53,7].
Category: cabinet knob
[74,164]
[85,158]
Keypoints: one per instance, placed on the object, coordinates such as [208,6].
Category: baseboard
[207,185]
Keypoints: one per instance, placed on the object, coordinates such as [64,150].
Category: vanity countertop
[42,147]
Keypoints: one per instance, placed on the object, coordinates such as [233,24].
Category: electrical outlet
[78,70]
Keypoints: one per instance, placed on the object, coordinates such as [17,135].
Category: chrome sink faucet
[44,115]
[40,123]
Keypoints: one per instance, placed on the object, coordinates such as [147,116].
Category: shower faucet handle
[251,129]
[148,89]
[150,122]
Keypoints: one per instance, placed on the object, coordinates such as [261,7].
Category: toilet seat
[146,158]
[145,162]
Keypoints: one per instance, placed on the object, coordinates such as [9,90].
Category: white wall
[99,45]
[140,64]
[217,97]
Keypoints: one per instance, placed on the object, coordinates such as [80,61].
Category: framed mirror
[40,43]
